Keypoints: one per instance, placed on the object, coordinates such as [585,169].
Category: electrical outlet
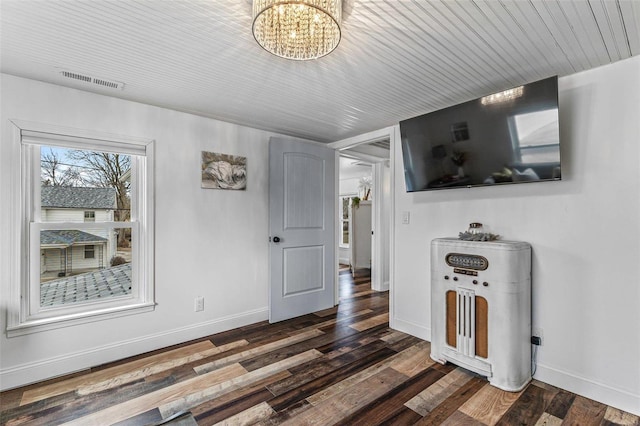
[538,332]
[199,304]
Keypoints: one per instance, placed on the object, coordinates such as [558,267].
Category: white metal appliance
[481,308]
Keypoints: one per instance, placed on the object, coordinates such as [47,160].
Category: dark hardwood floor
[340,366]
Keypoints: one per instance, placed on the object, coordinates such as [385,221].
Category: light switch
[405,218]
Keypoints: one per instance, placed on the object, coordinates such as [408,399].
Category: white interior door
[302,228]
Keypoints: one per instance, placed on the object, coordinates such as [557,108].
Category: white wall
[585,234]
[210,243]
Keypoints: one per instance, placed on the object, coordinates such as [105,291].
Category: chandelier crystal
[299,30]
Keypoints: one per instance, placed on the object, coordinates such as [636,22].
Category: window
[86,239]
[89,252]
[535,137]
[345,214]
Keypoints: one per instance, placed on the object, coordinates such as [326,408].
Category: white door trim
[391,133]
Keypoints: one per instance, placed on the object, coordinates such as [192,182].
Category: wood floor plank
[528,408]
[95,377]
[307,373]
[193,399]
[619,417]
[547,419]
[489,404]
[223,406]
[383,409]
[147,418]
[253,352]
[458,418]
[416,363]
[156,368]
[356,379]
[363,293]
[325,381]
[333,410]
[281,417]
[405,343]
[346,338]
[327,312]
[435,394]
[560,404]
[349,346]
[155,399]
[404,416]
[249,416]
[56,411]
[449,406]
[585,412]
[343,365]
[265,332]
[393,336]
[342,319]
[445,368]
[34,410]
[320,341]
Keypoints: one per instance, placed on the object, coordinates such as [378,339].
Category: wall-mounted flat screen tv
[503,138]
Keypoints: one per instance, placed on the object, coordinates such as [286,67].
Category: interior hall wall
[584,231]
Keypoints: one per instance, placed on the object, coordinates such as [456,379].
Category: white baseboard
[411,328]
[46,369]
[383,287]
[606,394]
[600,392]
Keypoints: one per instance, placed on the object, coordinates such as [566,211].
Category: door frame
[391,133]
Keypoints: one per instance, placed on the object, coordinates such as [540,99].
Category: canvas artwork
[222,171]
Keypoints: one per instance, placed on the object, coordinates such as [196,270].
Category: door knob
[276,239]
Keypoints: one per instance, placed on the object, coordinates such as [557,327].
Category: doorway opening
[364,209]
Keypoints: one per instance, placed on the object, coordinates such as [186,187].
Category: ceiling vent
[93,80]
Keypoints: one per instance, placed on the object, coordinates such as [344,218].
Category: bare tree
[106,170]
[54,172]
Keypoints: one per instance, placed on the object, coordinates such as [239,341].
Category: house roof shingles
[68,237]
[71,197]
[109,282]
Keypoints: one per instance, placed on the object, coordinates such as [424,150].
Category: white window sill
[34,326]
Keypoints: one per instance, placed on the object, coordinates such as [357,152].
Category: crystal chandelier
[504,96]
[299,30]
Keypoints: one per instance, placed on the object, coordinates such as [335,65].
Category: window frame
[24,312]
[341,220]
[90,215]
[91,250]
[519,150]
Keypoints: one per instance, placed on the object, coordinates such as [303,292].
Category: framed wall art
[223,171]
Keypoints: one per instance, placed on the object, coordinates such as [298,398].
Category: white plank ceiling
[397,58]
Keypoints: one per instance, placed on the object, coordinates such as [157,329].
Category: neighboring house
[67,251]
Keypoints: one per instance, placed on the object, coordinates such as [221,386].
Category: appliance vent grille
[93,80]
[466,322]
